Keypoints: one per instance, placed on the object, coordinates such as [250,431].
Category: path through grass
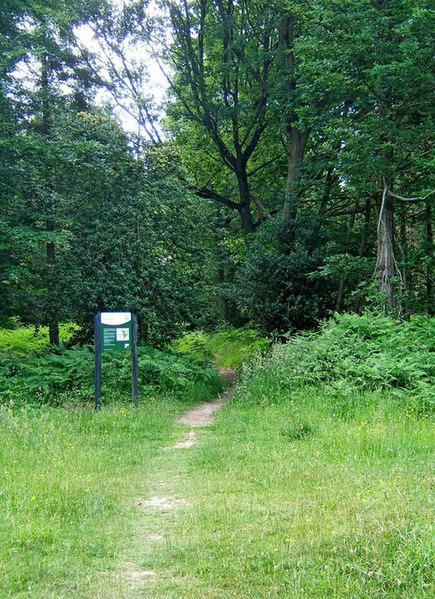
[303,499]
[67,483]
[314,496]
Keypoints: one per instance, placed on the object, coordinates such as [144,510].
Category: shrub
[64,376]
[230,348]
[351,354]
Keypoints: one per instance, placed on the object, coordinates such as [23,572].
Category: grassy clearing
[305,500]
[316,480]
[67,483]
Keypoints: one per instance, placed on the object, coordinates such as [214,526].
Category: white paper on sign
[122,334]
[115,318]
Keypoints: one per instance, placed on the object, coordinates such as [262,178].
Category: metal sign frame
[111,343]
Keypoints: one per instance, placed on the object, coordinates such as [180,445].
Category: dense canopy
[287,174]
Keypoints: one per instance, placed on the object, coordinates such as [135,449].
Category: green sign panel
[116,331]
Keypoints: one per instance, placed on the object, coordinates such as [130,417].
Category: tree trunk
[430,287]
[245,201]
[52,308]
[385,261]
[295,156]
[297,139]
[363,243]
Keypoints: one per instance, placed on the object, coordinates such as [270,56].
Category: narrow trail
[165,499]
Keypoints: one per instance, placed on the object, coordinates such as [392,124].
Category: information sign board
[115,332]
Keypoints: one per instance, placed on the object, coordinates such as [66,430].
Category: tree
[221,56]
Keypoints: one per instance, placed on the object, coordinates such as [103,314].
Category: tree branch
[205,192]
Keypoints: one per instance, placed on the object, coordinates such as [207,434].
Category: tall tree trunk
[430,287]
[297,139]
[244,209]
[385,261]
[295,156]
[364,242]
[52,307]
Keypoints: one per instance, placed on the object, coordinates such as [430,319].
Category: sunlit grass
[298,500]
[67,479]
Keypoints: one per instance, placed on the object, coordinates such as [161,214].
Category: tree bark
[295,156]
[245,202]
[297,139]
[53,320]
[430,287]
[385,260]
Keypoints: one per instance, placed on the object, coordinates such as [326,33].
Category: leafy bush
[273,285]
[352,354]
[230,348]
[59,377]
[20,340]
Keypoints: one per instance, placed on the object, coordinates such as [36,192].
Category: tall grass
[68,479]
[317,479]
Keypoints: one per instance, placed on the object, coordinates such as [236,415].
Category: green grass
[305,499]
[315,481]
[67,483]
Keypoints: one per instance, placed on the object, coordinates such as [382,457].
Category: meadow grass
[304,498]
[67,482]
[315,481]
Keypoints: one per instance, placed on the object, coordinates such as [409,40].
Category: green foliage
[60,377]
[21,340]
[229,348]
[273,286]
[352,354]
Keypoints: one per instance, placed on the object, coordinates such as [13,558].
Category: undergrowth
[351,354]
[229,348]
[67,376]
[21,340]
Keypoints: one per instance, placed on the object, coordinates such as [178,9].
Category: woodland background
[288,174]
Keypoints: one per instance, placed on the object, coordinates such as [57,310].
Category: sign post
[115,332]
